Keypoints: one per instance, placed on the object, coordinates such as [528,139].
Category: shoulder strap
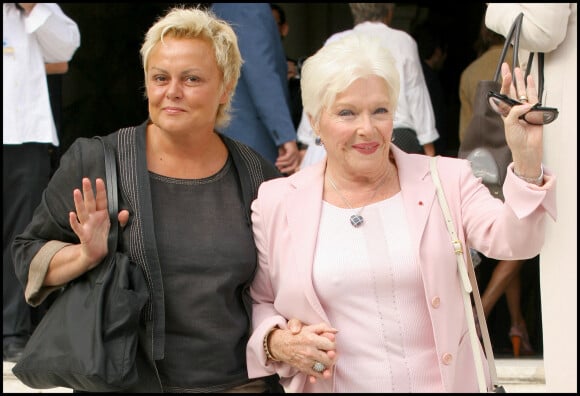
[469,284]
[112,198]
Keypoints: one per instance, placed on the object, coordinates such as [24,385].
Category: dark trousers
[25,176]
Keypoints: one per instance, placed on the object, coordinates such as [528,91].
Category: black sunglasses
[537,115]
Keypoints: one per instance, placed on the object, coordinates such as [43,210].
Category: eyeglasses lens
[534,117]
[538,115]
[499,106]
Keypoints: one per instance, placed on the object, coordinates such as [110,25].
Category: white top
[46,35]
[369,283]
[414,109]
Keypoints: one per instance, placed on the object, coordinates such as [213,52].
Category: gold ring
[523,98]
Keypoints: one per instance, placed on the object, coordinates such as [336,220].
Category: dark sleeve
[50,220]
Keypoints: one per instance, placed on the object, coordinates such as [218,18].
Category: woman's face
[184,85]
[356,129]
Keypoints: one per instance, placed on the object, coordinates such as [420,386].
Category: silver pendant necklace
[356,219]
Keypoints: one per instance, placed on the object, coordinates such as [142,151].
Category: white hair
[338,64]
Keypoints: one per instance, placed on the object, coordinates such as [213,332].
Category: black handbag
[88,338]
[484,144]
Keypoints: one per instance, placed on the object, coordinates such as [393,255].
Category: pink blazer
[285,219]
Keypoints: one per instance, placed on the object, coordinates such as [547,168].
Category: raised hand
[91,221]
[523,138]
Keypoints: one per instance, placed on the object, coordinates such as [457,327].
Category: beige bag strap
[469,283]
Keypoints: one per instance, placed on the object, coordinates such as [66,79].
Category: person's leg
[502,275]
[518,332]
[25,176]
[513,299]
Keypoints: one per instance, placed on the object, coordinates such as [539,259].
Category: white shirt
[414,108]
[46,35]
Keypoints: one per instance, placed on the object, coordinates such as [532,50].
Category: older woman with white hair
[357,288]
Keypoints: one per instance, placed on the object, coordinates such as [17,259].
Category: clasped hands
[303,345]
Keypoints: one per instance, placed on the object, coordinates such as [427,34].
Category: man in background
[260,105]
[36,37]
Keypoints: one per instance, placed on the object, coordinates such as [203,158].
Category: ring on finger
[523,98]
[318,367]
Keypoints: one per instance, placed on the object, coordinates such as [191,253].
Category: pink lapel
[303,208]
[417,190]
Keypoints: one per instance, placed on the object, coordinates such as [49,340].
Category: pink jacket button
[447,358]
[435,302]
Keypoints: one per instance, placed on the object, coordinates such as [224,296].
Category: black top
[204,271]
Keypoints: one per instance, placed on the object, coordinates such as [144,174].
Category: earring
[318,141]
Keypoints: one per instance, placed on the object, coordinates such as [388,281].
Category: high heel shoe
[520,341]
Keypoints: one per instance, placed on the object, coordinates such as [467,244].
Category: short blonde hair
[338,64]
[182,22]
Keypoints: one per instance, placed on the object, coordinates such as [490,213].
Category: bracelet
[537,181]
[266,350]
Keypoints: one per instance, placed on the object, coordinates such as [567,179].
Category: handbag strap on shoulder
[112,197]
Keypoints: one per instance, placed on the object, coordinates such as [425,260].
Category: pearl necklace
[356,219]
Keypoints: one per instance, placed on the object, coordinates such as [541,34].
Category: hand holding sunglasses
[502,104]
[523,138]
